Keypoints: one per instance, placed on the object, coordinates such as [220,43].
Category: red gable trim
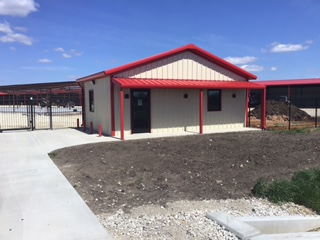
[183,84]
[315,81]
[191,47]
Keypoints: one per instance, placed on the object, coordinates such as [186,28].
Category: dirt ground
[121,175]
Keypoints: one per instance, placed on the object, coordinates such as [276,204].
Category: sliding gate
[52,108]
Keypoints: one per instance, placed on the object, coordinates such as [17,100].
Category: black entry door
[140,111]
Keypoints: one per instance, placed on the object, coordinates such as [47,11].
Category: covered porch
[199,85]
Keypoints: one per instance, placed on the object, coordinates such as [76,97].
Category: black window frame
[91,100]
[214,101]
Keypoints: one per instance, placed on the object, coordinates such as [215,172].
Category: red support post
[248,108]
[201,111]
[122,113]
[100,130]
[264,109]
[91,127]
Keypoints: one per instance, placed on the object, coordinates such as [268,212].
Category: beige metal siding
[172,113]
[232,114]
[102,106]
[186,65]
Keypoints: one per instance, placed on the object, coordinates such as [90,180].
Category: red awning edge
[183,84]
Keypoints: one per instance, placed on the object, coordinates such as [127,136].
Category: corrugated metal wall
[232,114]
[172,113]
[102,106]
[186,65]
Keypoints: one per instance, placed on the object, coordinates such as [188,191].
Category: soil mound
[280,111]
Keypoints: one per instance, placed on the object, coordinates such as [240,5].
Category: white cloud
[9,36]
[44,60]
[65,55]
[21,29]
[241,60]
[59,49]
[273,68]
[68,54]
[282,48]
[18,8]
[47,68]
[75,53]
[252,68]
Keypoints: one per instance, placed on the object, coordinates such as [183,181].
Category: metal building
[186,89]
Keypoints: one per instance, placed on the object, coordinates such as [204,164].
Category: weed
[303,188]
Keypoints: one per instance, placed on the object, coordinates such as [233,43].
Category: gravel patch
[186,219]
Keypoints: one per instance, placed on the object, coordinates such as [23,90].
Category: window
[214,100]
[91,101]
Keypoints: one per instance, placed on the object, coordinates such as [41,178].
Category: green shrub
[303,188]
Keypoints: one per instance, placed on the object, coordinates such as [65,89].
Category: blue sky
[54,40]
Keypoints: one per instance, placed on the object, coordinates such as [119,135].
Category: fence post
[289,114]
[316,114]
[78,123]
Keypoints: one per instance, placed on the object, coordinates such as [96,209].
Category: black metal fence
[283,113]
[52,108]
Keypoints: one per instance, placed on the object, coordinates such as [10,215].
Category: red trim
[312,81]
[150,109]
[263,110]
[247,108]
[113,120]
[122,113]
[131,118]
[201,111]
[183,84]
[191,47]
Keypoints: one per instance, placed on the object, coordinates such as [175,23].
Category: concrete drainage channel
[269,228]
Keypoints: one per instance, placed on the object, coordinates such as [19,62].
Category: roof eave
[91,77]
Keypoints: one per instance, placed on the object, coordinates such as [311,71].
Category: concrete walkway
[36,201]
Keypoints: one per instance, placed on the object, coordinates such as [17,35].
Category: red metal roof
[191,47]
[183,84]
[313,81]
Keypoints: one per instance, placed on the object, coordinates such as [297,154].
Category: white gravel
[186,219]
